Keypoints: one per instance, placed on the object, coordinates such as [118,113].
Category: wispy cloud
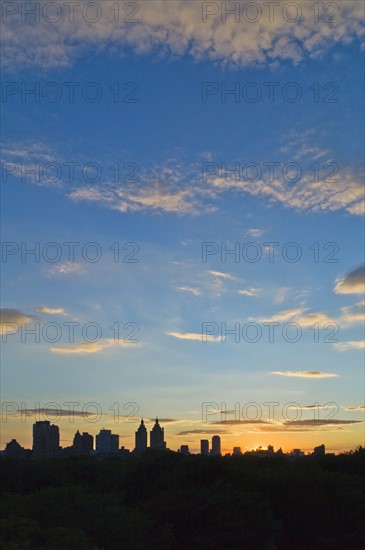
[249,292]
[285,315]
[202,432]
[195,336]
[164,420]
[305,374]
[52,310]
[255,232]
[222,275]
[324,422]
[190,290]
[351,345]
[358,408]
[91,347]
[310,425]
[234,422]
[67,268]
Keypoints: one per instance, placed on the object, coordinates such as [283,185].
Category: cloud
[305,374]
[177,28]
[324,422]
[280,295]
[202,432]
[190,289]
[179,190]
[13,318]
[315,317]
[249,292]
[298,316]
[304,195]
[352,314]
[222,275]
[233,422]
[52,310]
[67,268]
[195,336]
[176,187]
[79,349]
[358,408]
[346,346]
[90,347]
[309,407]
[153,197]
[286,315]
[57,412]
[255,232]
[28,151]
[300,429]
[164,420]
[352,283]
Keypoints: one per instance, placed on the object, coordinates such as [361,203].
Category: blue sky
[167,141]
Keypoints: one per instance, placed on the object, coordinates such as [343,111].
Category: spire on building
[141,438]
[157,437]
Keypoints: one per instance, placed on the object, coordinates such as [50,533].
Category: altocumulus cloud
[177,188]
[177,28]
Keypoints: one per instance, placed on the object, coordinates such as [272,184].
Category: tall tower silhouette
[141,438]
[157,437]
[46,440]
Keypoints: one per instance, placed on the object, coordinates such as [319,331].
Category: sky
[182,221]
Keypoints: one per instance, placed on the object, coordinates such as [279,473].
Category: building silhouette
[216,445]
[157,437]
[46,440]
[237,451]
[106,442]
[14,450]
[204,447]
[320,450]
[82,444]
[141,438]
[184,449]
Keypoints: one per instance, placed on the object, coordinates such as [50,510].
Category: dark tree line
[166,501]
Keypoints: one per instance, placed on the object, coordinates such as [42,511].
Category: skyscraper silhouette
[82,444]
[157,437]
[106,442]
[46,440]
[216,445]
[204,447]
[141,438]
